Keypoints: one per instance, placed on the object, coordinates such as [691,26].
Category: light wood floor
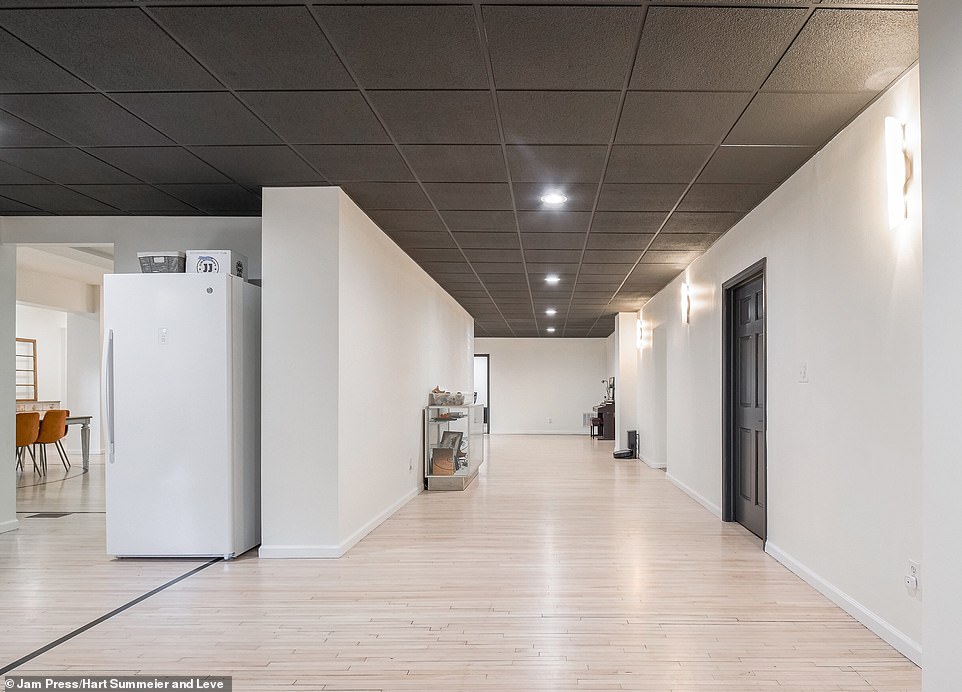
[558,569]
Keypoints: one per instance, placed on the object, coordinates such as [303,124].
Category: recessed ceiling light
[552,278]
[551,311]
[553,198]
[550,330]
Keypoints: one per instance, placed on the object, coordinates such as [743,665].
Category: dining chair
[53,428]
[28,428]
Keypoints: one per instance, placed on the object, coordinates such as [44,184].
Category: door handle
[109,393]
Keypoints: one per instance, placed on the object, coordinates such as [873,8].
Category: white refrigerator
[182,404]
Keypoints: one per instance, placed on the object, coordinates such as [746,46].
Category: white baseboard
[356,537]
[660,467]
[541,432]
[298,551]
[907,646]
[335,551]
[79,452]
[11,525]
[697,497]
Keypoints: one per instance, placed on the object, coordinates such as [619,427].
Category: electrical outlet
[410,463]
[803,373]
[911,578]
[914,569]
[549,419]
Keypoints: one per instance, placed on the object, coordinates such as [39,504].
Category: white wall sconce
[685,303]
[898,171]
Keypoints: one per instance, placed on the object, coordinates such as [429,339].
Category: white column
[941,107]
[8,299]
[626,377]
[299,366]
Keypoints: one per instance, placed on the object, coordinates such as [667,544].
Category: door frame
[755,271]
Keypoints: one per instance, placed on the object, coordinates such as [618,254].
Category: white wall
[82,362]
[355,335]
[59,292]
[49,328]
[8,291]
[133,234]
[400,335]
[533,380]
[940,56]
[843,296]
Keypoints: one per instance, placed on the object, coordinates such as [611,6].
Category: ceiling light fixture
[551,311]
[552,279]
[897,171]
[553,198]
[550,330]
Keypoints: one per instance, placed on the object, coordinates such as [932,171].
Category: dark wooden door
[748,406]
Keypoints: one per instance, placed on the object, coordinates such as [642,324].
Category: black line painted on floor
[80,630]
[84,472]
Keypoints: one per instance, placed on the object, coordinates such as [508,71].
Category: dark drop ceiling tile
[480,240]
[627,221]
[635,242]
[542,261]
[639,197]
[467,163]
[11,175]
[215,198]
[849,50]
[82,119]
[199,118]
[403,220]
[581,197]
[408,47]
[258,47]
[357,162]
[159,164]
[387,196]
[470,196]
[558,117]
[9,206]
[64,165]
[485,255]
[258,166]
[678,117]
[656,164]
[754,164]
[438,117]
[435,254]
[553,241]
[480,220]
[15,132]
[561,47]
[559,164]
[775,118]
[688,242]
[724,196]
[422,239]
[114,49]
[134,198]
[673,258]
[554,221]
[56,199]
[712,48]
[611,256]
[317,117]
[25,70]
[701,222]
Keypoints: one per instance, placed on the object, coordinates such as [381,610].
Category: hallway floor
[558,569]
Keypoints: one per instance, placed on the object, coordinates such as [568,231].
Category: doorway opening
[482,385]
[745,453]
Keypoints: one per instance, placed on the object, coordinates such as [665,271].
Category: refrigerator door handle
[109,393]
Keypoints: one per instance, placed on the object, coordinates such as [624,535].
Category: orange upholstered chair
[28,427]
[53,428]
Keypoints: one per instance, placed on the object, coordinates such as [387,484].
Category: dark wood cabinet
[606,413]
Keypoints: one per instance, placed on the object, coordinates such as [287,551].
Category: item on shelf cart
[441,397]
[448,415]
[451,439]
[442,461]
